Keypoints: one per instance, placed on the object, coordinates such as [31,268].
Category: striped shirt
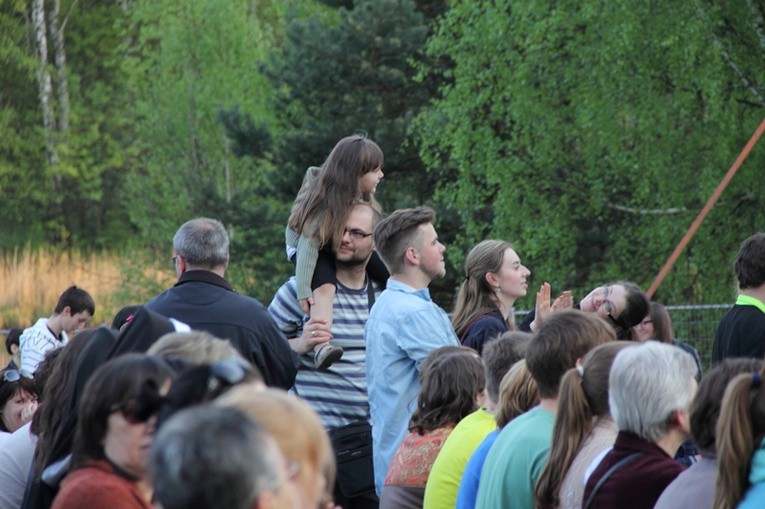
[339,394]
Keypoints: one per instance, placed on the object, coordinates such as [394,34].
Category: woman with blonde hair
[494,280]
[298,431]
[583,429]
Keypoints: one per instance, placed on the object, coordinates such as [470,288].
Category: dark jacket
[637,485]
[205,301]
[741,333]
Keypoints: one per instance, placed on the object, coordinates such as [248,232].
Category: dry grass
[33,279]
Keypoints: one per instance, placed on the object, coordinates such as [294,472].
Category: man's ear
[181,264]
[67,311]
[412,256]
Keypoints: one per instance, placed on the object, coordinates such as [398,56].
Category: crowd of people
[353,389]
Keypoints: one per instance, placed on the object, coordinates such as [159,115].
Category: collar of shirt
[398,286]
[746,300]
[204,276]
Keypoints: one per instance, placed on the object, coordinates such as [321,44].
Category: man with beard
[403,328]
[338,393]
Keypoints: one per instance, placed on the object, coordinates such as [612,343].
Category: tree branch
[657,212]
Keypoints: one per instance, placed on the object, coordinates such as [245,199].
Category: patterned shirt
[339,394]
[35,342]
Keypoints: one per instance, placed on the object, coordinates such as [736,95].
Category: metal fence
[695,325]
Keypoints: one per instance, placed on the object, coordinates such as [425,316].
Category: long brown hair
[326,204]
[740,427]
[583,395]
[476,297]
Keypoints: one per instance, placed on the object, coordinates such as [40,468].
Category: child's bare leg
[321,309]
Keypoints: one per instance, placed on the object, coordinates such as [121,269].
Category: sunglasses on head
[14,375]
[226,373]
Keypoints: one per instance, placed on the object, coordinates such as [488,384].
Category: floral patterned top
[414,458]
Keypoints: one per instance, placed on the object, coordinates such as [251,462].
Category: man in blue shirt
[403,327]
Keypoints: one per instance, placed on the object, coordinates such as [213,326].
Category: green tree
[21,160]
[590,134]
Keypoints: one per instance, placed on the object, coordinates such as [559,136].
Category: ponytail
[573,424]
[583,396]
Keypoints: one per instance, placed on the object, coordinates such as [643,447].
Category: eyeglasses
[174,260]
[14,375]
[356,234]
[134,411]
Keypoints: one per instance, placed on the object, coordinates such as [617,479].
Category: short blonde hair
[294,425]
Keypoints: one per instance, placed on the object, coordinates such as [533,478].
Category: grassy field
[33,279]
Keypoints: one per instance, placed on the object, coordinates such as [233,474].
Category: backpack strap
[370,293]
[623,462]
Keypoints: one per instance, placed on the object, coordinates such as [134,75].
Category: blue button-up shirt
[404,326]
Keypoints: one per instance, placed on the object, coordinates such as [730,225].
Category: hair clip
[755,380]
[580,370]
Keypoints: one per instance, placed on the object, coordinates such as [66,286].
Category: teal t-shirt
[515,462]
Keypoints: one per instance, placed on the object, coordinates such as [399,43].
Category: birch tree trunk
[59,54]
[44,85]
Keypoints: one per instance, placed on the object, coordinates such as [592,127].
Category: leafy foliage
[590,135]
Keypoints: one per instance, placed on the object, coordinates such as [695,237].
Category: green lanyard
[746,300]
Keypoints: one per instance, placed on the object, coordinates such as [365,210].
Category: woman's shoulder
[95,485]
[489,321]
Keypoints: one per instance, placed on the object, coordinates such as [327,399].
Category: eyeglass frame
[356,234]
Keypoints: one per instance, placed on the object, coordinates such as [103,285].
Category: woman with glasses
[116,423]
[494,279]
[657,325]
[621,303]
[18,399]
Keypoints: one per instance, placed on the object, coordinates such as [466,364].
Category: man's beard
[352,262]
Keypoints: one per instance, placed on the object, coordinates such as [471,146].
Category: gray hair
[202,242]
[647,384]
[211,456]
